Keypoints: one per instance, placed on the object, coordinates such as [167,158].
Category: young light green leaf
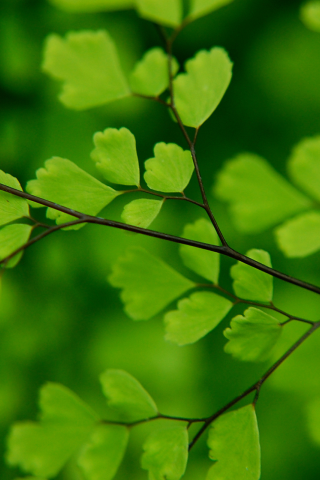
[234,446]
[63,182]
[250,283]
[170,169]
[258,196]
[166,453]
[150,75]
[116,156]
[88,64]
[11,207]
[126,396]
[300,236]
[13,237]
[142,212]
[199,8]
[304,166]
[148,283]
[92,5]
[199,91]
[101,456]
[203,262]
[252,336]
[195,317]
[65,423]
[310,15]
[166,12]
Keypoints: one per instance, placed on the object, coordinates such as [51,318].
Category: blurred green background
[60,320]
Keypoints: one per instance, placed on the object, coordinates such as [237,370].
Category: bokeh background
[60,320]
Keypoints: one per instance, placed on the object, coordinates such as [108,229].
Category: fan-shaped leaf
[148,283]
[304,166]
[166,12]
[92,5]
[43,448]
[11,207]
[199,91]
[234,446]
[258,196]
[195,317]
[150,75]
[142,212]
[252,336]
[203,262]
[300,236]
[116,156]
[101,456]
[199,8]
[126,396]
[88,64]
[170,169]
[310,15]
[63,182]
[250,283]
[13,237]
[166,453]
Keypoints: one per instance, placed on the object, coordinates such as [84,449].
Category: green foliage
[116,156]
[204,263]
[300,236]
[195,317]
[142,298]
[250,283]
[170,169]
[126,397]
[198,8]
[304,166]
[13,237]
[252,336]
[150,75]
[88,64]
[100,458]
[92,5]
[199,91]
[166,12]
[310,15]
[166,453]
[60,182]
[142,212]
[234,446]
[11,208]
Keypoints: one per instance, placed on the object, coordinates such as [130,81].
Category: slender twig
[223,250]
[160,416]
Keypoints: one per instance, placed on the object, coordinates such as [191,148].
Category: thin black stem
[223,250]
[256,387]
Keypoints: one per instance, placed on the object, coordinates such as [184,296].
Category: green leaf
[310,15]
[195,317]
[150,75]
[199,91]
[30,478]
[252,336]
[170,169]
[13,237]
[11,207]
[199,8]
[166,12]
[313,419]
[166,453]
[204,263]
[65,423]
[88,64]
[250,283]
[142,212]
[148,283]
[63,182]
[234,446]
[101,456]
[126,396]
[116,156]
[300,236]
[304,166]
[258,196]
[92,5]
